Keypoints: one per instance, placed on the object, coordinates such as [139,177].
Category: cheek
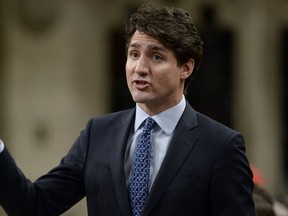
[129,67]
[170,78]
[128,70]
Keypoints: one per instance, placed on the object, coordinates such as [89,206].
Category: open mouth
[140,84]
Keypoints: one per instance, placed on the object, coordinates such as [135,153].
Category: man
[192,165]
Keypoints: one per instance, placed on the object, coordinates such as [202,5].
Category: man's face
[154,78]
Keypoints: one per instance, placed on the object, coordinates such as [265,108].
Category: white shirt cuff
[1,146]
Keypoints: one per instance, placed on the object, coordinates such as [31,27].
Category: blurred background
[63,61]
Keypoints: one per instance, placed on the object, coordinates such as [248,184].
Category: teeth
[141,82]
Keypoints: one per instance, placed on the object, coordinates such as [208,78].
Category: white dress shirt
[1,146]
[161,135]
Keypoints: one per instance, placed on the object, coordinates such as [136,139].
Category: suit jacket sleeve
[51,194]
[232,184]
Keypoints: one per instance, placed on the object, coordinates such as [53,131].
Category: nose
[142,66]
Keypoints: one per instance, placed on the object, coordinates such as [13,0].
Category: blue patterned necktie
[139,181]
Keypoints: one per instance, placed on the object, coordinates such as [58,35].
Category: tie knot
[149,124]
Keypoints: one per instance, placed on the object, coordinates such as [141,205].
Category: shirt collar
[167,119]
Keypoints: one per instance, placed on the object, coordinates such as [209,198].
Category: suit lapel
[119,140]
[181,145]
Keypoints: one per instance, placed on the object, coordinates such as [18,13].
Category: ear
[187,69]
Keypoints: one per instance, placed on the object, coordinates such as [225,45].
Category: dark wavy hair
[173,27]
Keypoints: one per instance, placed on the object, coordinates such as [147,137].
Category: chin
[137,100]
[141,100]
[143,97]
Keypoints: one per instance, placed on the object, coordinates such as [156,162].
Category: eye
[133,54]
[157,57]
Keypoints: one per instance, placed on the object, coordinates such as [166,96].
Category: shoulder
[205,123]
[114,116]
[111,119]
[213,125]
[210,130]
[219,136]
[104,125]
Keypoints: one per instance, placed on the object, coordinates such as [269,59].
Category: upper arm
[232,185]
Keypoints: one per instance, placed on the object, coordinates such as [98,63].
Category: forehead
[140,39]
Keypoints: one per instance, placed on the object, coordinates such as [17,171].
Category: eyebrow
[150,46]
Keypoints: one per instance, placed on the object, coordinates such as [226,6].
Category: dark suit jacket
[205,173]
